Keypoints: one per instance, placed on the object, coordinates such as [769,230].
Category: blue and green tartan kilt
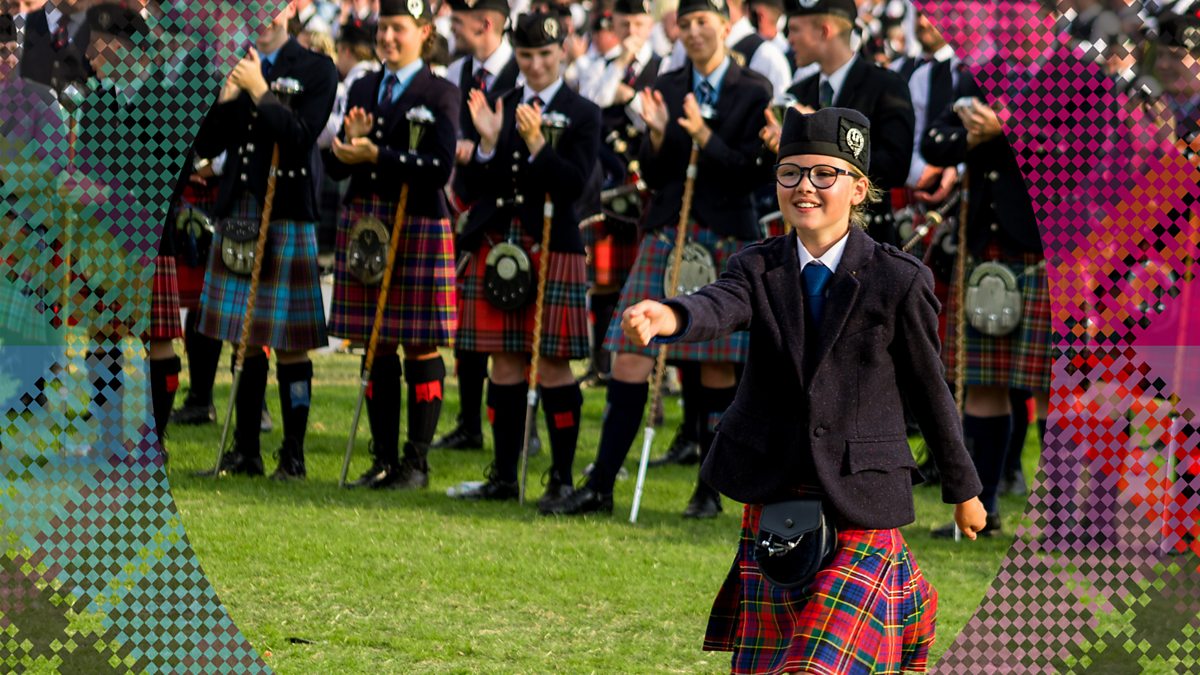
[421,306]
[288,311]
[646,282]
[488,329]
[870,610]
[1021,359]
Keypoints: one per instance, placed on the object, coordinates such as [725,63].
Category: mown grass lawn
[323,580]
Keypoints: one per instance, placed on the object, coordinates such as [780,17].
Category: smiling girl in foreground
[841,328]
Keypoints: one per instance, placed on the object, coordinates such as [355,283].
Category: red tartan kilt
[191,284]
[1019,360]
[610,257]
[488,329]
[164,301]
[871,610]
[774,225]
[420,309]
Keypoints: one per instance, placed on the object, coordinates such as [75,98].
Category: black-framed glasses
[822,176]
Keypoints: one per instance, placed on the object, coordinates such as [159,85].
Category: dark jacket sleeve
[716,310]
[892,132]
[945,142]
[916,353]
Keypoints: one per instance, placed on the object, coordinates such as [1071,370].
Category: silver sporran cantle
[696,270]
[366,257]
[508,276]
[993,299]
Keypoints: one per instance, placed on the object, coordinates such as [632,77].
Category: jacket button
[993,176]
[516,155]
[819,431]
[789,523]
[516,167]
[372,175]
[995,227]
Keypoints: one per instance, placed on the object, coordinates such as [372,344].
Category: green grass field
[323,580]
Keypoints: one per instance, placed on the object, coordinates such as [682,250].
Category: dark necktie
[630,73]
[705,94]
[60,37]
[826,99]
[389,89]
[536,102]
[814,279]
[480,78]
[267,65]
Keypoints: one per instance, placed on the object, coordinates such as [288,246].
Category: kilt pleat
[288,313]
[164,301]
[610,255]
[421,307]
[871,610]
[646,282]
[1019,360]
[485,328]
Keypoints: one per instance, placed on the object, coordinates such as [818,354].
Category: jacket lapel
[417,84]
[843,293]
[783,292]
[853,84]
[284,60]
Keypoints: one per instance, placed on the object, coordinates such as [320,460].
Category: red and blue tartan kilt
[871,610]
[164,301]
[485,328]
[288,311]
[610,255]
[421,307]
[646,282]
[1021,359]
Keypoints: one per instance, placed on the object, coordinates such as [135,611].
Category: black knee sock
[693,401]
[506,409]
[164,382]
[716,401]
[425,378]
[989,437]
[603,308]
[623,413]
[204,356]
[252,391]
[383,409]
[472,371]
[295,399]
[1020,428]
[562,406]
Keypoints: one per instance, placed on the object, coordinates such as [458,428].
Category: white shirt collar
[496,62]
[612,53]
[739,30]
[838,78]
[832,257]
[54,15]
[644,54]
[547,94]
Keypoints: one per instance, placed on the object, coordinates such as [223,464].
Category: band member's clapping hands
[487,120]
[654,114]
[529,125]
[247,75]
[693,121]
[358,148]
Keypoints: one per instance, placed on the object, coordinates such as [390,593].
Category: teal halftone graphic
[97,575]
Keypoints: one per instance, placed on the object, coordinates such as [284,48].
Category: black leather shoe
[555,492]
[493,491]
[235,463]
[705,503]
[683,451]
[291,462]
[459,439]
[583,500]
[992,528]
[377,469]
[194,414]
[405,476]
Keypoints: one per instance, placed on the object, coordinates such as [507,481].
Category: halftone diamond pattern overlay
[96,574]
[1103,574]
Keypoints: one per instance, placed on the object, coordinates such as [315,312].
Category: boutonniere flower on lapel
[286,88]
[553,124]
[419,118]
